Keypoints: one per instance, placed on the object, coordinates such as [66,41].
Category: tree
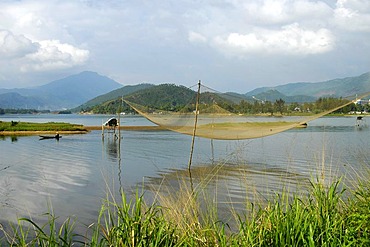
[269,107]
[280,105]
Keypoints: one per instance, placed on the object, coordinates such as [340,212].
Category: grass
[322,216]
[50,126]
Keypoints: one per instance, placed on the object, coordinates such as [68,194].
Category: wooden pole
[102,130]
[195,126]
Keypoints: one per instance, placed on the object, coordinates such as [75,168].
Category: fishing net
[214,115]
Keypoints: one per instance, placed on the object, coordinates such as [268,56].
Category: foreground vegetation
[14,126]
[321,216]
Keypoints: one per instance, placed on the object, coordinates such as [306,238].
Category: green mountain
[172,97]
[235,97]
[164,96]
[123,91]
[161,97]
[343,87]
[273,94]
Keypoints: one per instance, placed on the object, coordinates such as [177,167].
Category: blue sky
[230,45]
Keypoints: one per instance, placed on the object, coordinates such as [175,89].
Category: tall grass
[322,216]
[50,126]
[132,223]
[28,233]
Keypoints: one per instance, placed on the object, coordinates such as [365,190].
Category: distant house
[362,102]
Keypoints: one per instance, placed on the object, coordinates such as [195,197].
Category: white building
[362,102]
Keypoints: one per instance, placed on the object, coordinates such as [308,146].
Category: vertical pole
[213,152]
[102,130]
[119,150]
[195,126]
[119,124]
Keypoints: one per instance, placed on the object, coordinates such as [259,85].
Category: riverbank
[133,128]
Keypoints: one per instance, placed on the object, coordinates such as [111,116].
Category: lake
[72,176]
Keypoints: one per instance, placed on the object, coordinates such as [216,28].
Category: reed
[29,233]
[324,215]
[132,223]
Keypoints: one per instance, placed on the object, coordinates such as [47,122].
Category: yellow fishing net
[205,117]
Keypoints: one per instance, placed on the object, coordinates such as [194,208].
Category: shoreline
[40,132]
[139,128]
[78,132]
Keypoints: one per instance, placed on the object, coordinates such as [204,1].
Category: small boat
[302,125]
[57,136]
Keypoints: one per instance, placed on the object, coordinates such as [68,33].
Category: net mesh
[206,114]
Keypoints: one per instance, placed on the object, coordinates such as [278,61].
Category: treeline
[243,107]
[22,111]
[31,111]
[279,106]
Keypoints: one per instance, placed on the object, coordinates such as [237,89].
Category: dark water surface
[72,176]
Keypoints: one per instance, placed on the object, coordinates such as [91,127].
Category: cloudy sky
[231,45]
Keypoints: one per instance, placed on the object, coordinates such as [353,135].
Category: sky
[230,45]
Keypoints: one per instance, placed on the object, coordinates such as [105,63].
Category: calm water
[72,175]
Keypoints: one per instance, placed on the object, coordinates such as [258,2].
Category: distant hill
[126,90]
[172,97]
[273,94]
[17,101]
[164,97]
[163,94]
[65,93]
[333,88]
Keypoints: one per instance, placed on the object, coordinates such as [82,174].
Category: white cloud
[285,11]
[195,37]
[18,51]
[130,38]
[290,39]
[353,15]
[15,46]
[54,55]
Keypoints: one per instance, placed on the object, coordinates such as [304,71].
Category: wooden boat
[57,136]
[303,125]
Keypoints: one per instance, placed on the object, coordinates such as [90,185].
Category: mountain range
[343,87]
[60,94]
[87,89]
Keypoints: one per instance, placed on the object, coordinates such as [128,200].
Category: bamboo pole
[195,127]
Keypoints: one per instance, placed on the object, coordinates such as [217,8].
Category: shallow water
[73,175]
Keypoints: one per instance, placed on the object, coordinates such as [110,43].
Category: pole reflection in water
[112,145]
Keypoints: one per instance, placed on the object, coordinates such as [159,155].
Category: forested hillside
[169,97]
[113,95]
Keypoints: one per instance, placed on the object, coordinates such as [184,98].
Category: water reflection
[112,148]
[232,183]
[112,144]
[12,138]
[331,128]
